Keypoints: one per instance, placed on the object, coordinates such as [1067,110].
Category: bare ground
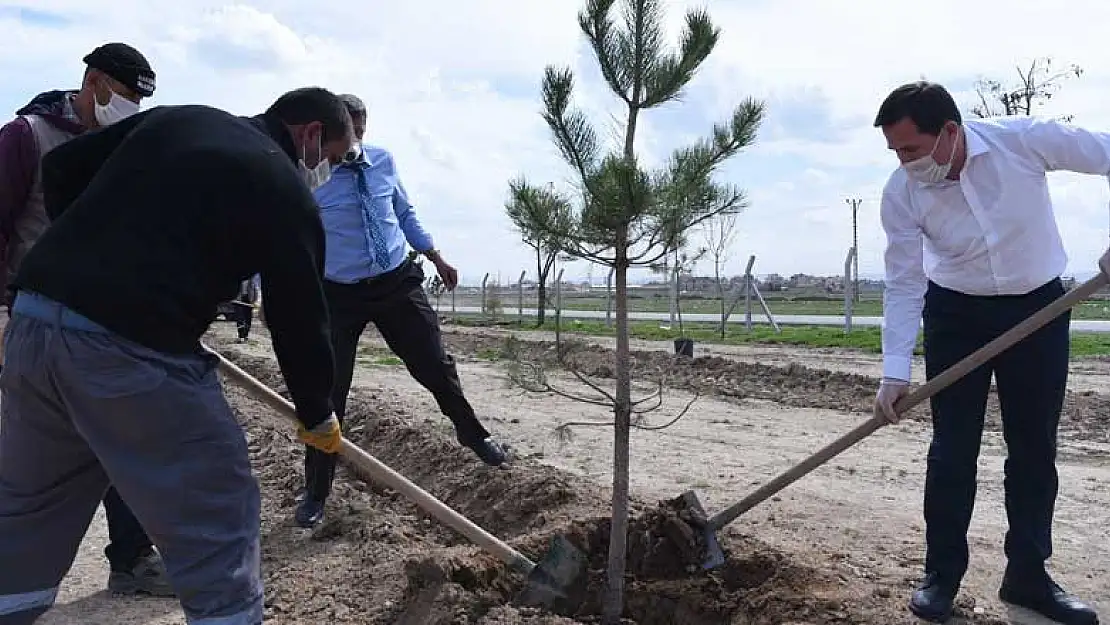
[842,545]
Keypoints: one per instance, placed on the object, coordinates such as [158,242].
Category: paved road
[1077,325]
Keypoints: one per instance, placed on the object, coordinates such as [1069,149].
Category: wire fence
[743,299]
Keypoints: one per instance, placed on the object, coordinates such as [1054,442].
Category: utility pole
[854,203]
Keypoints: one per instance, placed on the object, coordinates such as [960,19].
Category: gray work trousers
[81,407]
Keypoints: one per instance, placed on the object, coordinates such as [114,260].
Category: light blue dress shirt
[368,219]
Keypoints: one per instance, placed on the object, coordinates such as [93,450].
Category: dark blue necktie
[381,254]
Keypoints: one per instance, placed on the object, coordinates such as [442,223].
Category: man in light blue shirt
[370,223]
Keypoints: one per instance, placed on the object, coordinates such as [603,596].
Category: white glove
[1104,263]
[890,391]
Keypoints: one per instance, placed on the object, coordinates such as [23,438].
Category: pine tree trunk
[613,602]
[612,605]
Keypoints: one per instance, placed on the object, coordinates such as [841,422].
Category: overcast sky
[453,92]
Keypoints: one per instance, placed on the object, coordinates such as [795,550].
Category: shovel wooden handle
[922,393]
[374,468]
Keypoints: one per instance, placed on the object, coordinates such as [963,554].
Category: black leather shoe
[934,599]
[309,513]
[491,452]
[1049,600]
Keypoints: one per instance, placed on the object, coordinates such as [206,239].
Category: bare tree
[539,215]
[670,266]
[679,262]
[720,232]
[1034,87]
[628,216]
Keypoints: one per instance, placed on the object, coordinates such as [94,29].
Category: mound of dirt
[379,559]
[794,385]
[1086,415]
[664,584]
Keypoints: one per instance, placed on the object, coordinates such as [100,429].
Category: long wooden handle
[373,467]
[925,391]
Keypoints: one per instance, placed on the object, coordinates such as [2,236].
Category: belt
[378,279]
[35,306]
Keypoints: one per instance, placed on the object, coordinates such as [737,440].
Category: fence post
[748,293]
[484,281]
[848,296]
[766,309]
[520,297]
[609,298]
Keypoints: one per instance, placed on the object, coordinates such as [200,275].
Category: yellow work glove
[327,437]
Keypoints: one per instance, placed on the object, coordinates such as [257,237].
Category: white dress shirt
[992,232]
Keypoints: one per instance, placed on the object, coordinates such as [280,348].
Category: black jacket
[146,239]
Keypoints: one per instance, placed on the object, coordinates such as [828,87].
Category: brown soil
[841,546]
[378,560]
[1086,413]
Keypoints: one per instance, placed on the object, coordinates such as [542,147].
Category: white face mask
[319,175]
[353,152]
[927,169]
[117,109]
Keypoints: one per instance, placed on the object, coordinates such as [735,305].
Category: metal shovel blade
[714,556]
[555,576]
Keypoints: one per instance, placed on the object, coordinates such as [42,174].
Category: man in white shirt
[973,249]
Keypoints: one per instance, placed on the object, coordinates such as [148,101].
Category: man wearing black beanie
[117,78]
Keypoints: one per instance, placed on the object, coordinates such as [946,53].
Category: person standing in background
[117,78]
[245,305]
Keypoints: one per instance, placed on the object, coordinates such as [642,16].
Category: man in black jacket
[118,389]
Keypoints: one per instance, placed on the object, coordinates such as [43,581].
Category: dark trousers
[244,314]
[1031,378]
[396,304]
[127,541]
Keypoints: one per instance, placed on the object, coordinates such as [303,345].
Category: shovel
[547,582]
[715,557]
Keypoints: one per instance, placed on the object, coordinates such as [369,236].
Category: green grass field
[866,339]
[713,306]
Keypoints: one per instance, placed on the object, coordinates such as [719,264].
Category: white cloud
[242,38]
[453,91]
[850,55]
